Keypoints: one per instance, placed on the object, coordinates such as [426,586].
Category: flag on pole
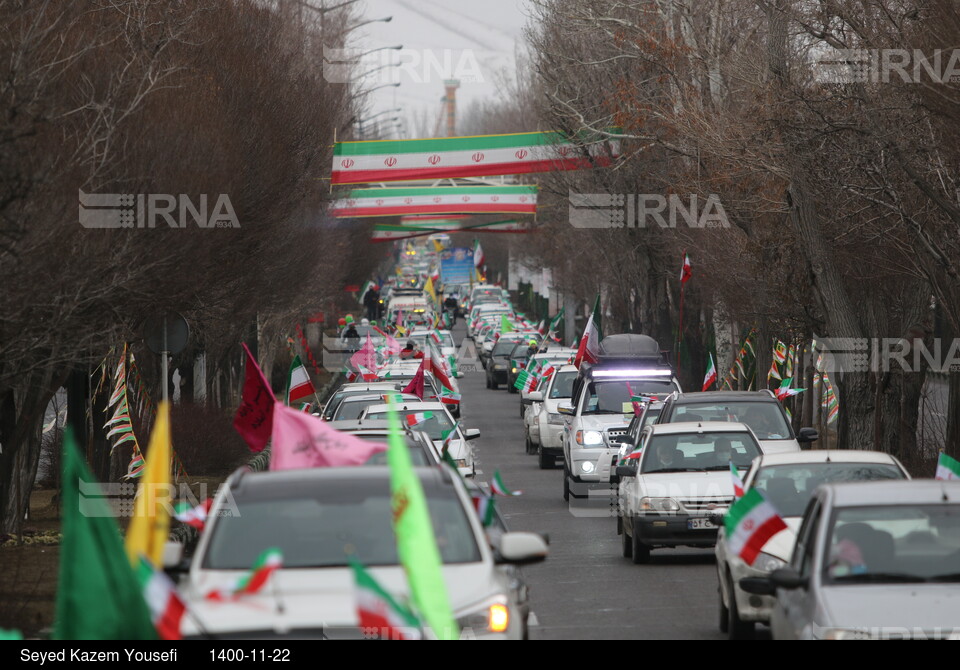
[416,418]
[685,271]
[98,595]
[785,391]
[416,543]
[750,523]
[485,508]
[306,441]
[436,368]
[737,482]
[554,324]
[774,373]
[416,385]
[947,468]
[366,356]
[150,525]
[710,377]
[479,258]
[378,610]
[589,349]
[193,516]
[497,487]
[253,582]
[505,325]
[299,385]
[164,602]
[254,418]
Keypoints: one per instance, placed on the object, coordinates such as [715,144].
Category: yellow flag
[428,287]
[438,246]
[150,524]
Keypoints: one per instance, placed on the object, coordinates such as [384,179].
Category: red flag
[589,349]
[254,418]
[437,370]
[415,387]
[685,270]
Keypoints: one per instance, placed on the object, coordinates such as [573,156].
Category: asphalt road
[585,590]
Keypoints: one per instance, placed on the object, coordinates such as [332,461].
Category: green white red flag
[378,610]
[193,516]
[686,270]
[165,605]
[486,509]
[457,157]
[750,523]
[299,385]
[947,468]
[589,349]
[253,582]
[785,391]
[398,201]
[737,482]
[710,378]
[479,258]
[416,418]
[497,487]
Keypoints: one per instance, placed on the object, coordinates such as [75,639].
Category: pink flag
[304,441]
[366,356]
[255,415]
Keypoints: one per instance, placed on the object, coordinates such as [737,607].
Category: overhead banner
[389,232]
[476,156]
[397,201]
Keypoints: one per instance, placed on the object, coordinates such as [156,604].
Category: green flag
[505,325]
[416,543]
[98,596]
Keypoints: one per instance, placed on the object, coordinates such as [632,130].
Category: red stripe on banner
[454,171]
[472,208]
[770,527]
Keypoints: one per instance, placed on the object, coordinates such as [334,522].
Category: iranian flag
[485,508]
[750,523]
[448,438]
[417,418]
[710,378]
[526,381]
[447,397]
[397,201]
[436,369]
[785,391]
[166,606]
[456,157]
[266,564]
[589,349]
[685,271]
[299,385]
[947,468]
[193,516]
[737,482]
[479,258]
[377,609]
[554,324]
[497,487]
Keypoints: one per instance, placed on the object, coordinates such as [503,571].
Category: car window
[434,423]
[562,385]
[610,397]
[789,487]
[766,419]
[696,451]
[806,538]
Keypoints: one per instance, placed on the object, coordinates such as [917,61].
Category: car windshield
[326,525]
[789,487]
[351,409]
[699,452]
[893,544]
[766,419]
[434,423]
[613,397]
[563,385]
[503,347]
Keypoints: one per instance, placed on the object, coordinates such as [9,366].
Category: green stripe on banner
[476,142]
[387,192]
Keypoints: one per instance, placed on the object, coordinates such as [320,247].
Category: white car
[545,415]
[787,481]
[682,477]
[873,560]
[319,518]
[437,426]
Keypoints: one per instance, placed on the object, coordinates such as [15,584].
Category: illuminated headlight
[498,366]
[768,563]
[661,505]
[587,467]
[494,617]
[589,438]
[513,370]
[555,419]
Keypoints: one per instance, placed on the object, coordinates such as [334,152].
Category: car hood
[906,609]
[603,421]
[779,446]
[310,598]
[714,484]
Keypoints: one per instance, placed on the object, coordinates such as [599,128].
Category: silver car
[876,560]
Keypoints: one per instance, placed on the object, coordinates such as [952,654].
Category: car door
[793,614]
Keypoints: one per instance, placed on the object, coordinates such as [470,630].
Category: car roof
[827,456]
[724,396]
[688,427]
[915,492]
[407,407]
[282,483]
[367,386]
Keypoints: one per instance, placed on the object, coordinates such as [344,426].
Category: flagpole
[680,325]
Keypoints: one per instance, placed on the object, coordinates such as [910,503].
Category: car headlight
[498,366]
[661,505]
[493,617]
[587,467]
[768,563]
[555,419]
[589,438]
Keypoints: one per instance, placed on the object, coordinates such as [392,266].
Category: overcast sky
[473,39]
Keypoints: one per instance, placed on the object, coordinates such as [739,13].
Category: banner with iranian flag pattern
[453,157]
[399,201]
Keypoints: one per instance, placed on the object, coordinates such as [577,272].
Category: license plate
[700,524]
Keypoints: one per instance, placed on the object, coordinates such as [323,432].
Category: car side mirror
[788,578]
[522,548]
[471,433]
[758,586]
[626,471]
[535,396]
[565,408]
[808,435]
